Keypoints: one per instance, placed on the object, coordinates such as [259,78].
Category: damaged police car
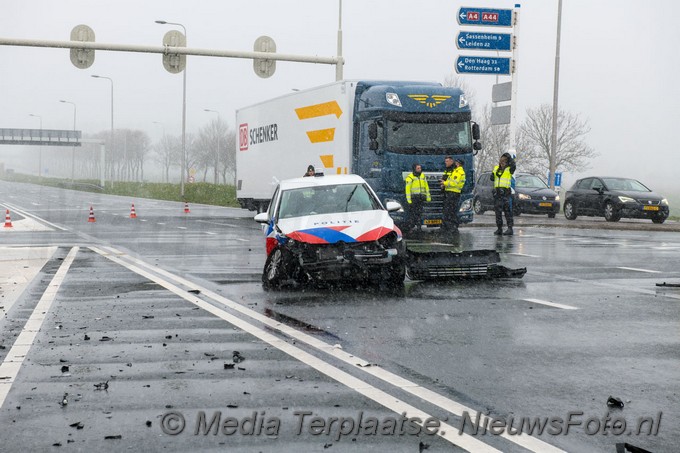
[330,229]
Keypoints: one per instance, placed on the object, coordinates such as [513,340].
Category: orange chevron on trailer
[317,110]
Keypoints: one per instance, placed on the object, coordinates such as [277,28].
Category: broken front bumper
[448,265]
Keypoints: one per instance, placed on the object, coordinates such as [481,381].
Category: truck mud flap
[426,264]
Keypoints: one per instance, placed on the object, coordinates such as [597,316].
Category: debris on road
[614,402]
[668,285]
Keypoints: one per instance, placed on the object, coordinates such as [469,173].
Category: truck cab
[398,124]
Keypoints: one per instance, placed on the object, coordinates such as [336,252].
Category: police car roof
[320,181]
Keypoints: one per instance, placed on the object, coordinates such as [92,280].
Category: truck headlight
[664,202]
[626,199]
[524,196]
[393,98]
[466,205]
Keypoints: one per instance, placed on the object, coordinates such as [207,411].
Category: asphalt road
[134,322]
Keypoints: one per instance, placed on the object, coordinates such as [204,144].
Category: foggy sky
[619,64]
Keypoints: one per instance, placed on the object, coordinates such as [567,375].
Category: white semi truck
[375,129]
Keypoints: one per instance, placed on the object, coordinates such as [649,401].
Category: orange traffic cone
[133,214]
[91,219]
[8,220]
[186,207]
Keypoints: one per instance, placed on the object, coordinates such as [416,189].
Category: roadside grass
[200,192]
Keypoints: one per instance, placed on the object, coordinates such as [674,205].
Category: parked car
[614,198]
[532,195]
[328,229]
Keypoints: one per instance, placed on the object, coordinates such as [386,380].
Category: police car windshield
[427,138]
[326,200]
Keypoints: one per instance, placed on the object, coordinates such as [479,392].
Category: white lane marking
[181,228]
[35,217]
[618,287]
[446,431]
[241,239]
[210,232]
[142,220]
[528,442]
[551,304]
[222,224]
[160,223]
[10,367]
[523,254]
[639,270]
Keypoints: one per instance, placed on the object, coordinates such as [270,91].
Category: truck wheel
[658,219]
[276,269]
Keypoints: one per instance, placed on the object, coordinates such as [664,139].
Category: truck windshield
[427,138]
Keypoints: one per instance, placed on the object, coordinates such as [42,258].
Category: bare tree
[214,135]
[228,159]
[213,139]
[572,151]
[457,81]
[168,152]
[494,139]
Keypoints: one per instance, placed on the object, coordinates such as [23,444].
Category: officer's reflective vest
[455,180]
[504,180]
[417,185]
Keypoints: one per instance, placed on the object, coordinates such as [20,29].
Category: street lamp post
[184,110]
[556,91]
[219,134]
[40,149]
[111,150]
[73,149]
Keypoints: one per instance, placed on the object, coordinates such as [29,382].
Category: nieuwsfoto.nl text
[306,422]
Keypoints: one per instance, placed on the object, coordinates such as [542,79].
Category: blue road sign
[558,179]
[485,16]
[484,41]
[482,65]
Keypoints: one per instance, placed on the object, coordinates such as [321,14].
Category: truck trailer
[375,129]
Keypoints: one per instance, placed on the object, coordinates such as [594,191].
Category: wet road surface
[176,294]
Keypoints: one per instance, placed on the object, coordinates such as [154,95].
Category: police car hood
[360,226]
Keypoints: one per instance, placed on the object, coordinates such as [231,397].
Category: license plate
[650,208]
[433,222]
[547,205]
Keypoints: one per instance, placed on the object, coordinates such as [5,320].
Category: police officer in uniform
[502,180]
[310,171]
[417,193]
[452,183]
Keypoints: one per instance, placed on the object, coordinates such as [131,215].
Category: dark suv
[532,195]
[614,198]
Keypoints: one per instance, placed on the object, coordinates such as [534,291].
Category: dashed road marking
[551,304]
[639,270]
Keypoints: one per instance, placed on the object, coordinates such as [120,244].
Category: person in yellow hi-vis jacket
[502,180]
[452,183]
[417,193]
